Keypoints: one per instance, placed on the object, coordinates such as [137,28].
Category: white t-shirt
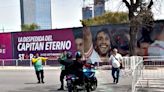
[93,55]
[116,60]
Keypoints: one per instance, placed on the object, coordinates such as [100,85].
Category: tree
[109,17]
[29,27]
[139,14]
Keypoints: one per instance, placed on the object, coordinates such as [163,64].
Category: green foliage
[29,27]
[107,18]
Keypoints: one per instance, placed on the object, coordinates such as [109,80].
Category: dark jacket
[72,66]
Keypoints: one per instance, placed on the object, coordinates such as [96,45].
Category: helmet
[78,54]
[69,55]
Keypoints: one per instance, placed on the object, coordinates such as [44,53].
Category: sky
[65,13]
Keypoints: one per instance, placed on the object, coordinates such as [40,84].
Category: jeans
[115,74]
[62,75]
[40,75]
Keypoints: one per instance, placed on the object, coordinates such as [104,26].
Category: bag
[115,64]
[121,67]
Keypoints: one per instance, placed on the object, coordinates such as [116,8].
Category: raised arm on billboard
[87,36]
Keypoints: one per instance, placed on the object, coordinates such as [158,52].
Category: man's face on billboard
[102,43]
[79,44]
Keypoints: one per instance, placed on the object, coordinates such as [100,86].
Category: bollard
[3,63]
[16,62]
[30,62]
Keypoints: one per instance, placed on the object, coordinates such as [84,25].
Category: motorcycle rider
[74,66]
[79,66]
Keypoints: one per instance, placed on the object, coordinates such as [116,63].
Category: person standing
[116,60]
[37,62]
[63,72]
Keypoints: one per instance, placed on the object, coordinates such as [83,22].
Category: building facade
[99,7]
[87,12]
[36,11]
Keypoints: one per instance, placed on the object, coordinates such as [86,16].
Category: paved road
[24,80]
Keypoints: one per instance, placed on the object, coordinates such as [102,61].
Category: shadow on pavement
[31,83]
[108,84]
[57,90]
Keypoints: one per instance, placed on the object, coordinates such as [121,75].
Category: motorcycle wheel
[69,86]
[94,85]
[75,89]
[88,87]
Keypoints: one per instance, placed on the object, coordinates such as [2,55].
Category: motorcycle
[90,78]
[71,85]
[89,84]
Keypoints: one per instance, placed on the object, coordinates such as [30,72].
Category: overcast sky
[65,13]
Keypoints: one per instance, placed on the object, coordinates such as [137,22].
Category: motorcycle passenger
[63,72]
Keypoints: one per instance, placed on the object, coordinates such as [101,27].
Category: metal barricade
[130,62]
[25,62]
[152,75]
[137,74]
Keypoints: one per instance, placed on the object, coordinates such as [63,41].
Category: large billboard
[48,43]
[5,46]
[98,41]
[93,42]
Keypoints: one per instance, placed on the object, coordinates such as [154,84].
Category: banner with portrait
[99,40]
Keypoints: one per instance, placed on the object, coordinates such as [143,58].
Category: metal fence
[149,73]
[25,62]
[137,74]
[128,62]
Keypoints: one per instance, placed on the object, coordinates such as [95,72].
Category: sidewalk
[105,82]
[28,67]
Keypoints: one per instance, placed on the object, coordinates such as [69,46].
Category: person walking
[116,60]
[37,62]
[63,71]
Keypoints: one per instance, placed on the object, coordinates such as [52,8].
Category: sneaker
[43,82]
[38,82]
[114,80]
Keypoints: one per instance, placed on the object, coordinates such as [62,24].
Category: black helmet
[69,55]
[78,54]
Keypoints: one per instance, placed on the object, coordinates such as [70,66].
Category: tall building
[36,11]
[87,12]
[99,7]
